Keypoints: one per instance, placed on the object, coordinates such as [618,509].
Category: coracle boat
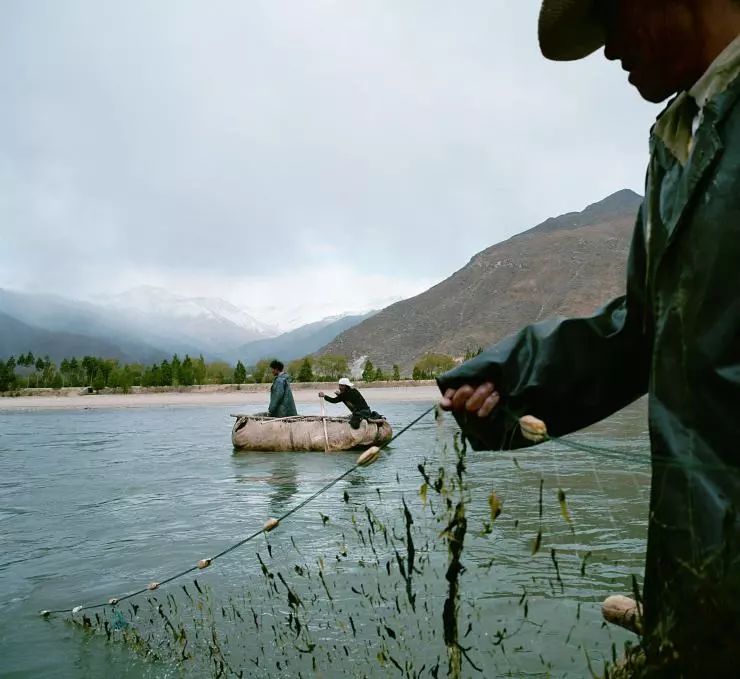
[306,433]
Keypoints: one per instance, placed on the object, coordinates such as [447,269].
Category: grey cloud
[201,137]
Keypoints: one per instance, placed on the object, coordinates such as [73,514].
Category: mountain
[58,326]
[18,338]
[300,342]
[148,324]
[286,316]
[186,324]
[566,266]
[141,323]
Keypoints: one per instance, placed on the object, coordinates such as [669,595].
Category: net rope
[205,563]
[568,443]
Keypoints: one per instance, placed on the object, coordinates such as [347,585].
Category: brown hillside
[569,265]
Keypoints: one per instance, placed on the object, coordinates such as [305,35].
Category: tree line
[29,371]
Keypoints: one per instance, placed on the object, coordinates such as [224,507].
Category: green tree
[330,367]
[368,372]
[186,374]
[396,372]
[106,366]
[48,372]
[240,373]
[260,371]
[430,366]
[114,379]
[121,378]
[98,381]
[176,363]
[39,371]
[165,374]
[199,370]
[151,377]
[74,369]
[305,374]
[26,361]
[379,376]
[57,382]
[7,374]
[294,367]
[135,372]
[219,372]
[89,364]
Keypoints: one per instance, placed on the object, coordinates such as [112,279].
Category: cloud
[230,142]
[309,293]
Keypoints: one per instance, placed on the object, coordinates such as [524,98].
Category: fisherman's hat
[569,29]
[344,382]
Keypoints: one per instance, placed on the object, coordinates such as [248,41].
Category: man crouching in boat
[281,396]
[354,400]
[674,335]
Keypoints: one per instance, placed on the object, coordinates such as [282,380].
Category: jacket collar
[719,76]
[676,126]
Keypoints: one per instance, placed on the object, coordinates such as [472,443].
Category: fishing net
[435,572]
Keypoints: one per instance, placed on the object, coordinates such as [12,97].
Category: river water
[97,503]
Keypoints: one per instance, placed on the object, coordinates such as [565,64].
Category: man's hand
[480,401]
[321,394]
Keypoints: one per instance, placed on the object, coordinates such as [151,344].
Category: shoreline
[226,395]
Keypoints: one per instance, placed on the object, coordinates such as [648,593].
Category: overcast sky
[328,154]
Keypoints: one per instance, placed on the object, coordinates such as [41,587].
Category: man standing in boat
[674,335]
[354,400]
[281,396]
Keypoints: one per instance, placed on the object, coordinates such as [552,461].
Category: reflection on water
[79,528]
[284,484]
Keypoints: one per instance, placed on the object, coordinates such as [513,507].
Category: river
[96,503]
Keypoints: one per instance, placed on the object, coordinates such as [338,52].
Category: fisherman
[281,397]
[354,400]
[674,335]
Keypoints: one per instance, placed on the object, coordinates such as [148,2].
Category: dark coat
[352,398]
[675,335]
[281,397]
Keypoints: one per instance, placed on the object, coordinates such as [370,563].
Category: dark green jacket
[675,335]
[281,397]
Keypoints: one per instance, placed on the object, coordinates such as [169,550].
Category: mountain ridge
[17,337]
[565,266]
[302,341]
[130,329]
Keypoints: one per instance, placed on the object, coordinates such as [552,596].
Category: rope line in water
[614,453]
[270,525]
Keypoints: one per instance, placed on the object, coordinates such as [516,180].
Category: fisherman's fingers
[476,400]
[489,404]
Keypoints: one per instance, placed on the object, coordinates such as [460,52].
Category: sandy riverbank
[250,398]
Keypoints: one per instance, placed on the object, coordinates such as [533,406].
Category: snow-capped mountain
[224,309]
[149,323]
[287,318]
[163,318]
[153,301]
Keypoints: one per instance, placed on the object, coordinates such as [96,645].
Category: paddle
[323,419]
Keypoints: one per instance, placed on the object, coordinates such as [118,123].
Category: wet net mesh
[431,573]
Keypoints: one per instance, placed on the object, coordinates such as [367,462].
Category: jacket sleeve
[569,373]
[276,396]
[333,399]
